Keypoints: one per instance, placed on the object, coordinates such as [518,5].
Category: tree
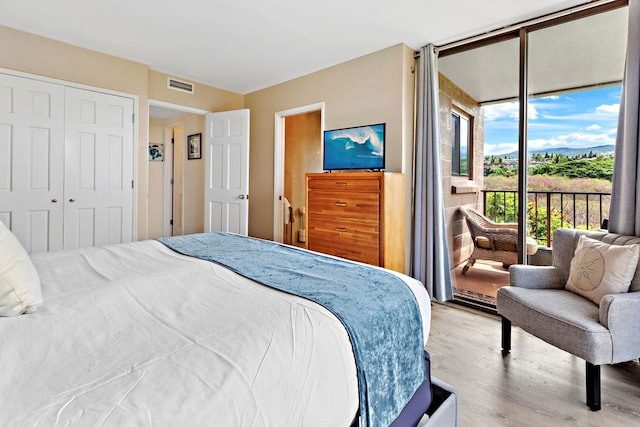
[502,207]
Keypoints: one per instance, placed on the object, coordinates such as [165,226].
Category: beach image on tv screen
[354,148]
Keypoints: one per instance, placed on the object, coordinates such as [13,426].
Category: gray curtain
[430,255]
[624,214]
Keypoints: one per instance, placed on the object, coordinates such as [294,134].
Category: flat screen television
[360,147]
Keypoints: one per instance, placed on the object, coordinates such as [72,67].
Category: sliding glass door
[545,100]
[575,70]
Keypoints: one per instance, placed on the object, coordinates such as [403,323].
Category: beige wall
[302,154]
[193,178]
[371,89]
[205,97]
[459,191]
[374,88]
[37,55]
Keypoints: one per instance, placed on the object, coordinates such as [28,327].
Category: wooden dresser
[358,216]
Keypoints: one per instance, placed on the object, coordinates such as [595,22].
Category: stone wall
[457,190]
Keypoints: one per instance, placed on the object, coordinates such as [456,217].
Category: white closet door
[31,150]
[98,169]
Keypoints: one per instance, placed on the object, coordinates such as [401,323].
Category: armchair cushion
[559,317]
[598,269]
[484,243]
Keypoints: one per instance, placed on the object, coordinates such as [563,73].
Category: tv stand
[358,216]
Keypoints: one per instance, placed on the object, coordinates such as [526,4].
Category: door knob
[72,200]
[242,197]
[54,200]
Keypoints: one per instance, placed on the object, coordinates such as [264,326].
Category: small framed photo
[156,152]
[194,144]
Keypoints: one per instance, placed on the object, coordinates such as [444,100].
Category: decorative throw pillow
[19,281]
[598,269]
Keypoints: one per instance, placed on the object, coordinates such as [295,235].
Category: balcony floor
[479,286]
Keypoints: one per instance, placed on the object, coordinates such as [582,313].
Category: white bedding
[137,335]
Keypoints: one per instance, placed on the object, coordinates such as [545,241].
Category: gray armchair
[538,303]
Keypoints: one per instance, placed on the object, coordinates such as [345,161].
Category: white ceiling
[247,45]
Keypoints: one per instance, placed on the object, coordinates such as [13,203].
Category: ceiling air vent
[181,85]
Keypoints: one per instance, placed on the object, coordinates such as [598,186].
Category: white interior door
[98,169]
[227,172]
[31,150]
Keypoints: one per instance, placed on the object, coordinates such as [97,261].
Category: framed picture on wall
[194,144]
[156,152]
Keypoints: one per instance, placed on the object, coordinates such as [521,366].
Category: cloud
[572,140]
[608,109]
[498,111]
[500,148]
[569,140]
[507,110]
[602,116]
[554,122]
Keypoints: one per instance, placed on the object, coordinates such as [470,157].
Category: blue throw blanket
[377,308]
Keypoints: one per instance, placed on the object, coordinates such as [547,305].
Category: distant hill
[569,152]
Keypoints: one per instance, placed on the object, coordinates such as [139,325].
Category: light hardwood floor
[534,385]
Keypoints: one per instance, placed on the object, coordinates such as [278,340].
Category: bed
[140,334]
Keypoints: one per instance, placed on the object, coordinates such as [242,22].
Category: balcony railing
[549,210]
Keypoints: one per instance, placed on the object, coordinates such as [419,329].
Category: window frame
[456,138]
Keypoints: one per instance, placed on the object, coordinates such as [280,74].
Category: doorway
[176,186]
[297,151]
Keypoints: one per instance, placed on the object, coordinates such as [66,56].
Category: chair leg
[468,264]
[506,335]
[466,267]
[593,386]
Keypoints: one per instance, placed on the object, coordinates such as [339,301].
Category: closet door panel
[31,161]
[6,145]
[99,169]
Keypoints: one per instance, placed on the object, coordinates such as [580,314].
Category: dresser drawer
[362,248]
[344,183]
[335,203]
[369,228]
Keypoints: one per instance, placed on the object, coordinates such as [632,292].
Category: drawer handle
[343,204]
[341,183]
[341,229]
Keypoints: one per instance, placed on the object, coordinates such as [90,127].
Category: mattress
[136,334]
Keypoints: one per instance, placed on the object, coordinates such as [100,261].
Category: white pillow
[598,269]
[19,281]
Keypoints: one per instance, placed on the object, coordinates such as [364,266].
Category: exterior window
[460,141]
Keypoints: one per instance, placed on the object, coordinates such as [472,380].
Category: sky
[575,120]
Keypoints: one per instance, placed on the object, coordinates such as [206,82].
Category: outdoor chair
[493,241]
[587,303]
